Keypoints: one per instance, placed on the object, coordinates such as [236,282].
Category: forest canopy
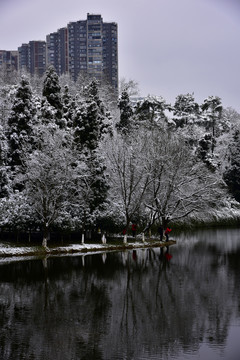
[76,156]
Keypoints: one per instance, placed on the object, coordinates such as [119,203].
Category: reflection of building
[32,57]
[83,47]
[9,60]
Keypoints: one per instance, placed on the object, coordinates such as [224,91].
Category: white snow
[8,252]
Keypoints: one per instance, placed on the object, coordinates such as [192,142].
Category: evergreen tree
[151,111]
[52,92]
[99,183]
[185,109]
[69,107]
[91,121]
[126,112]
[47,114]
[20,122]
[204,152]
[232,173]
[212,111]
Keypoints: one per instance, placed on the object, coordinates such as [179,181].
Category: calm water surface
[144,304]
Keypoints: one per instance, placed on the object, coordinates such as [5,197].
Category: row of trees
[72,157]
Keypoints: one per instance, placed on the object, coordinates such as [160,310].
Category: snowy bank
[9,251]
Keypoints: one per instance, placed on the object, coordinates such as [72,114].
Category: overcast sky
[169,47]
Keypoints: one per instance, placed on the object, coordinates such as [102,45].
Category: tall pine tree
[92,120]
[126,113]
[20,122]
[52,92]
[91,123]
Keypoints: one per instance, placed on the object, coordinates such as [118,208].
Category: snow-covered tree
[126,112]
[52,177]
[15,212]
[91,124]
[232,172]
[6,94]
[152,111]
[98,181]
[5,182]
[20,122]
[47,114]
[204,151]
[52,92]
[69,107]
[212,111]
[130,86]
[128,178]
[185,110]
[91,121]
[179,185]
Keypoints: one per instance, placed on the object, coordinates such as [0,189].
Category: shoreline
[8,251]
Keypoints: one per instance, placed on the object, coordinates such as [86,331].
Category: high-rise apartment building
[110,53]
[37,59]
[77,45]
[95,46]
[57,50]
[83,47]
[9,60]
[92,49]
[23,57]
[32,57]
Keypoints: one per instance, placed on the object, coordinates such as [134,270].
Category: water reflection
[175,303]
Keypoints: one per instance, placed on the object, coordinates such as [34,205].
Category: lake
[179,303]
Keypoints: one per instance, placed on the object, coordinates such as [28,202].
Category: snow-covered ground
[8,250]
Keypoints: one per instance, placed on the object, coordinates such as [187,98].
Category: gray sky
[169,47]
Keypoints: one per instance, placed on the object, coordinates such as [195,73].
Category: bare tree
[179,185]
[130,86]
[128,180]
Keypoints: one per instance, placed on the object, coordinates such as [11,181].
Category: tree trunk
[104,240]
[165,222]
[46,237]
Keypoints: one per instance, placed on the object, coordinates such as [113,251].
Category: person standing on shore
[167,231]
[134,229]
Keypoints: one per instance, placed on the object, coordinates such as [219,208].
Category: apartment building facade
[93,49]
[32,57]
[57,50]
[82,47]
[9,60]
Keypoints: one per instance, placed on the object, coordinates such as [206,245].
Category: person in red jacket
[134,229]
[167,231]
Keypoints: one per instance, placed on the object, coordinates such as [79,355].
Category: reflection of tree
[126,308]
[76,309]
[188,306]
